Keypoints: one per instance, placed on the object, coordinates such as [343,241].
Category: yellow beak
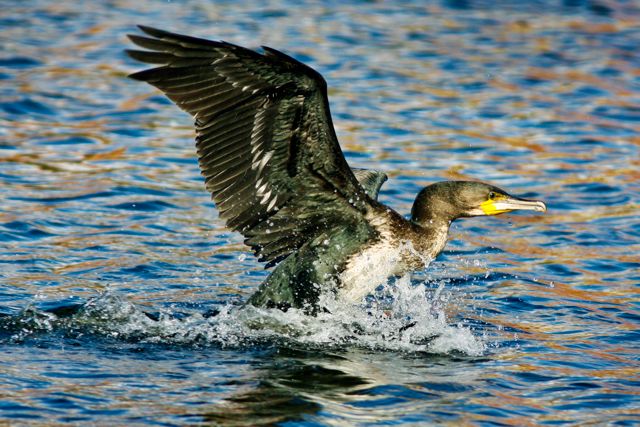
[502,204]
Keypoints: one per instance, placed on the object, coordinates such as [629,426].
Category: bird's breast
[372,267]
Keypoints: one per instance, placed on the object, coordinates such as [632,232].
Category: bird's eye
[492,195]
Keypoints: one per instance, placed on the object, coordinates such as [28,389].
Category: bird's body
[352,262]
[272,162]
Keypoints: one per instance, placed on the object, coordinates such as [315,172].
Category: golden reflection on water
[398,107]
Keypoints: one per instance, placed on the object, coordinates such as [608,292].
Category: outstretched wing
[370,180]
[265,140]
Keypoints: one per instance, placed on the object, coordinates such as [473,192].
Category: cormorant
[273,165]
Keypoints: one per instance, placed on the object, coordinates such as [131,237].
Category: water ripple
[121,289]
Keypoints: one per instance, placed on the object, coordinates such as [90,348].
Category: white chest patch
[368,270]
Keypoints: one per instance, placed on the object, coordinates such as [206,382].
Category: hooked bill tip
[529,205]
[540,206]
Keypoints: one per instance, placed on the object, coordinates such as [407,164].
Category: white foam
[400,316]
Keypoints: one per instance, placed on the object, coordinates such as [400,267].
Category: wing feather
[371,180]
[265,141]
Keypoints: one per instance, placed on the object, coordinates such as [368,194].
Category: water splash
[398,317]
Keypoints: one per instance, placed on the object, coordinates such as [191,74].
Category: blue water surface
[121,289]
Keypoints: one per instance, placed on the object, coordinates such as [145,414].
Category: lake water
[112,256]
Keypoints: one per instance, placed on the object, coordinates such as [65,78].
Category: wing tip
[155,32]
[180,39]
[139,76]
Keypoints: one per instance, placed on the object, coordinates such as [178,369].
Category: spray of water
[400,316]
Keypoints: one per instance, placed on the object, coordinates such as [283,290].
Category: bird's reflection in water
[296,385]
[290,385]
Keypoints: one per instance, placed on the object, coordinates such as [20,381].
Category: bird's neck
[431,236]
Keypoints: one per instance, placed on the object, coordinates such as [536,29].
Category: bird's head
[450,200]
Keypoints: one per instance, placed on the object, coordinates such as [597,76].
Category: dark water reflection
[369,388]
[536,318]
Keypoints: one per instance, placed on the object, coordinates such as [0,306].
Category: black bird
[272,162]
